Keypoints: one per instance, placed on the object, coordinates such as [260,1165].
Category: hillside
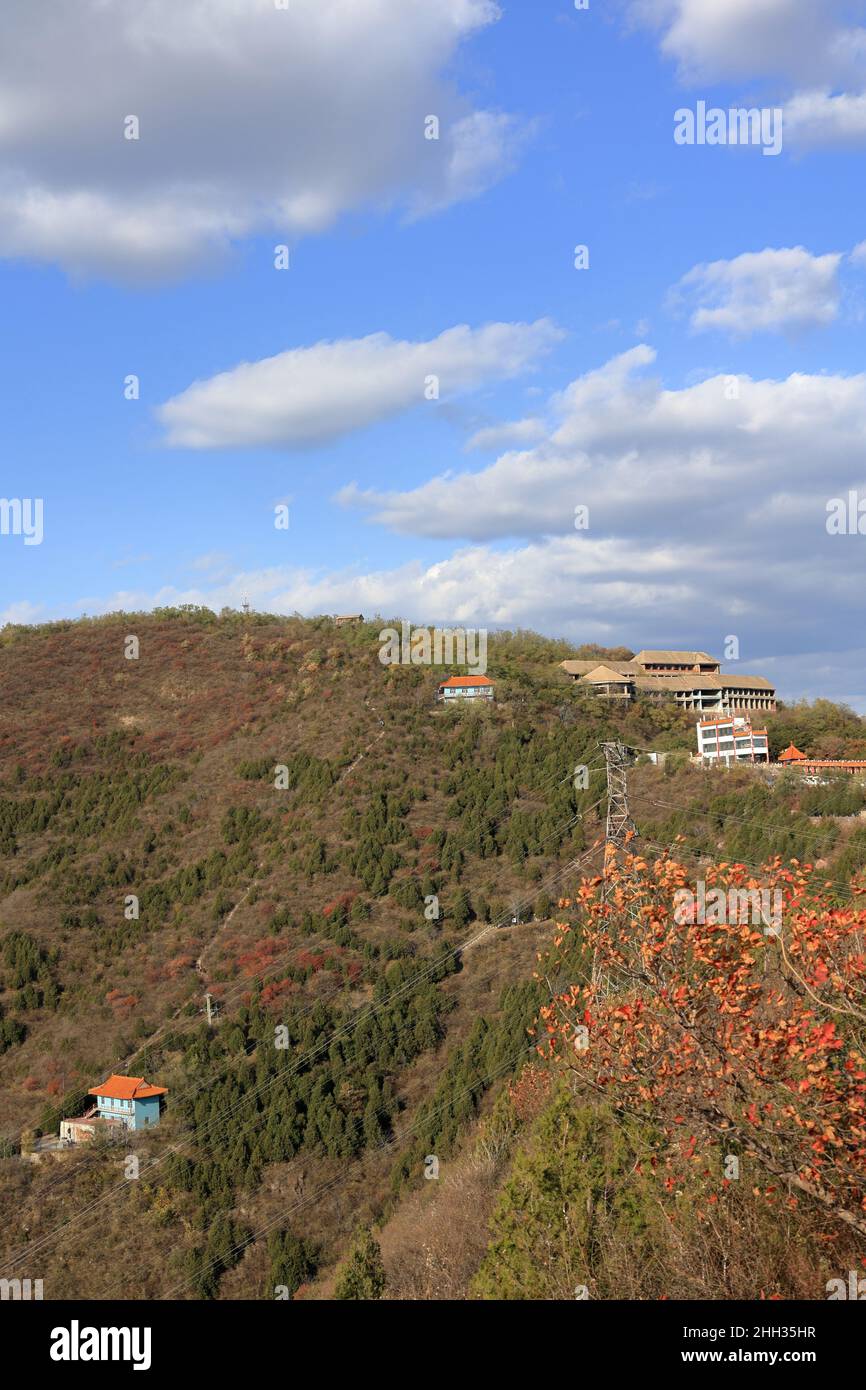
[356,1032]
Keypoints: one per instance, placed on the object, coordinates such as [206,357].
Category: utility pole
[209,1007]
[619,821]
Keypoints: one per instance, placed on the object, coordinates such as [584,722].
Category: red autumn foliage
[275,991]
[530,1091]
[178,965]
[345,900]
[258,957]
[726,1033]
[120,1001]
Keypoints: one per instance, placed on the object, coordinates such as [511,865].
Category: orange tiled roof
[791,754]
[466,680]
[126,1088]
[835,762]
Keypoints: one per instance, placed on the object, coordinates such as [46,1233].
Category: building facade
[730,740]
[458,688]
[813,767]
[692,680]
[122,1103]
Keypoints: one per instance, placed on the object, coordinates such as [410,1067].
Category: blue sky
[699,387]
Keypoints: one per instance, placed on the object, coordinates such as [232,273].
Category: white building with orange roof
[731,739]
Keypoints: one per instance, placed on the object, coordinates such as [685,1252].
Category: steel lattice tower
[619,821]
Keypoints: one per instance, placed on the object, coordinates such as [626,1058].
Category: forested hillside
[256,809]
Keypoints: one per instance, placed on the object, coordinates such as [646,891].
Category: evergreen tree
[292,1262]
[362,1274]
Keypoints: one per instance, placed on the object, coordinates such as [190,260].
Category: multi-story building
[692,679]
[731,739]
[122,1102]
[668,663]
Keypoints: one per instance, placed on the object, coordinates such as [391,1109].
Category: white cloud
[821,118]
[527,431]
[707,517]
[483,147]
[22,612]
[763,291]
[809,51]
[569,582]
[645,458]
[252,120]
[713,39]
[310,394]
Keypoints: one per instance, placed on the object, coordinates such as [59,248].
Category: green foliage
[362,1275]
[292,1262]
[574,1190]
[481,812]
[12,1033]
[222,1249]
[496,1048]
[750,824]
[853,857]
[822,729]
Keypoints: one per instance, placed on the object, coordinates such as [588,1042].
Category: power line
[391,1143]
[761,825]
[299,1062]
[241,987]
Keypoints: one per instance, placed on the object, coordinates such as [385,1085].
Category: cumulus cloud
[763,291]
[707,509]
[307,395]
[252,119]
[526,431]
[707,505]
[643,458]
[22,612]
[811,53]
[821,118]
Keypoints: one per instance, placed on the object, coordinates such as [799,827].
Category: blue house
[129,1100]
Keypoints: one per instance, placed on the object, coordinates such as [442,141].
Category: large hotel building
[693,679]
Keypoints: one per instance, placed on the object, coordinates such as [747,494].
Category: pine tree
[292,1261]
[362,1275]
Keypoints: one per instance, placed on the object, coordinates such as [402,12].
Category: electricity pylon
[617,830]
[619,821]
